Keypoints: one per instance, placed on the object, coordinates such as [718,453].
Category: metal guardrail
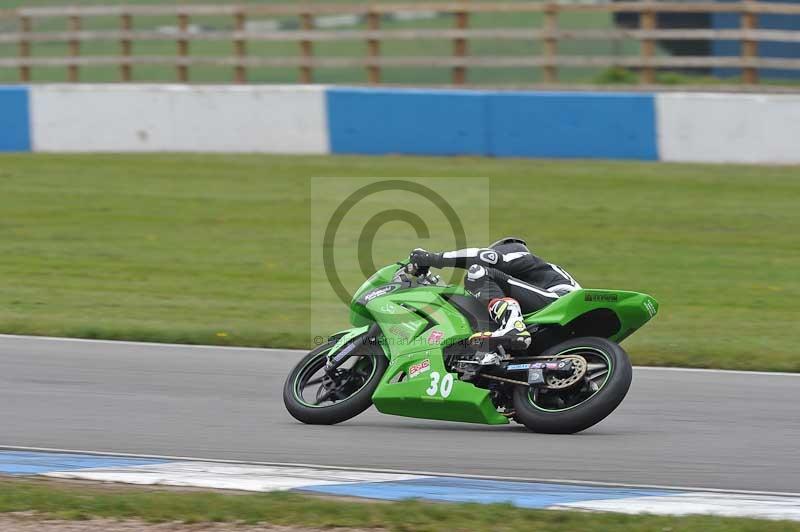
[305,35]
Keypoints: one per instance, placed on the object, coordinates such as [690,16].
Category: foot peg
[489,359]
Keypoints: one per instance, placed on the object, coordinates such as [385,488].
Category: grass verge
[66,502]
[215,248]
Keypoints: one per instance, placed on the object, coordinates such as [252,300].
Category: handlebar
[422,275]
[411,269]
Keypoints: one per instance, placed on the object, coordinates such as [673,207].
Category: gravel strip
[30,522]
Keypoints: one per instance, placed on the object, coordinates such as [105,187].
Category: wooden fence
[307,37]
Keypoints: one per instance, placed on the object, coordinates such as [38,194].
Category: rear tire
[592,410]
[344,409]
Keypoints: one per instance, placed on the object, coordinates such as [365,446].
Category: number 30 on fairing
[441,385]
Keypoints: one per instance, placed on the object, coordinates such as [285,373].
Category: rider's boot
[511,332]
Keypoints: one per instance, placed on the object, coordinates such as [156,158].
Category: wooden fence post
[183,47]
[25,27]
[373,48]
[240,49]
[460,46]
[306,49]
[551,42]
[126,25]
[648,46]
[77,24]
[749,22]
[74,48]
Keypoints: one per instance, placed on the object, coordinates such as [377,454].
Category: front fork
[347,344]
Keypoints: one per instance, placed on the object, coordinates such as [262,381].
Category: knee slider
[475,279]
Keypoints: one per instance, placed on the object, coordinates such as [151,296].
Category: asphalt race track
[730,430]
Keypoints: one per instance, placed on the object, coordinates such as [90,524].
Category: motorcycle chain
[503,379]
[524,383]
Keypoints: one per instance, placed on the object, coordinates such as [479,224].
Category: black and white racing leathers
[510,270]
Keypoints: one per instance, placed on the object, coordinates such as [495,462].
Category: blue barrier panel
[573,125]
[424,122]
[15,131]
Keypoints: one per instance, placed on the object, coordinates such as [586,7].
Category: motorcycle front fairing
[416,322]
[360,317]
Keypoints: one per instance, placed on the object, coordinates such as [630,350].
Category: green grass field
[215,248]
[287,509]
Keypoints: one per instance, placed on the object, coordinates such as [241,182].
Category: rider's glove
[423,259]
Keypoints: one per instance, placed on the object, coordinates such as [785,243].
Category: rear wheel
[569,404]
[315,397]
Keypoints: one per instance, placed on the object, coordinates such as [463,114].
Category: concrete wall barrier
[735,128]
[316,120]
[137,118]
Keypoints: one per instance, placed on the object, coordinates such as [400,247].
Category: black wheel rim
[314,388]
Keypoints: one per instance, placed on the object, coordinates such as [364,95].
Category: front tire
[367,365]
[581,406]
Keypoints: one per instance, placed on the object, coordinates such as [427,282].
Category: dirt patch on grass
[31,522]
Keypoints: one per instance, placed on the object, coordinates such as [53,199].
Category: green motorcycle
[408,354]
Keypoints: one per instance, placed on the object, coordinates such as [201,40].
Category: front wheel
[601,378]
[317,398]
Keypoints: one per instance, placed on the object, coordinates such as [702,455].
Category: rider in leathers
[509,279]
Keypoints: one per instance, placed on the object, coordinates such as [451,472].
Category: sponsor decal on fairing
[419,368]
[435,337]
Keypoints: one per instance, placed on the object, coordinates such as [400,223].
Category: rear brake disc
[579,367]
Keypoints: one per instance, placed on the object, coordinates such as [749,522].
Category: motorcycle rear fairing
[612,314]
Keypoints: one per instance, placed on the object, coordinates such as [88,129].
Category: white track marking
[282,350]
[723,504]
[147,344]
[227,475]
[242,477]
[403,472]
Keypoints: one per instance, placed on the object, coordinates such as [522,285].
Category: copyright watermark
[319,340]
[359,225]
